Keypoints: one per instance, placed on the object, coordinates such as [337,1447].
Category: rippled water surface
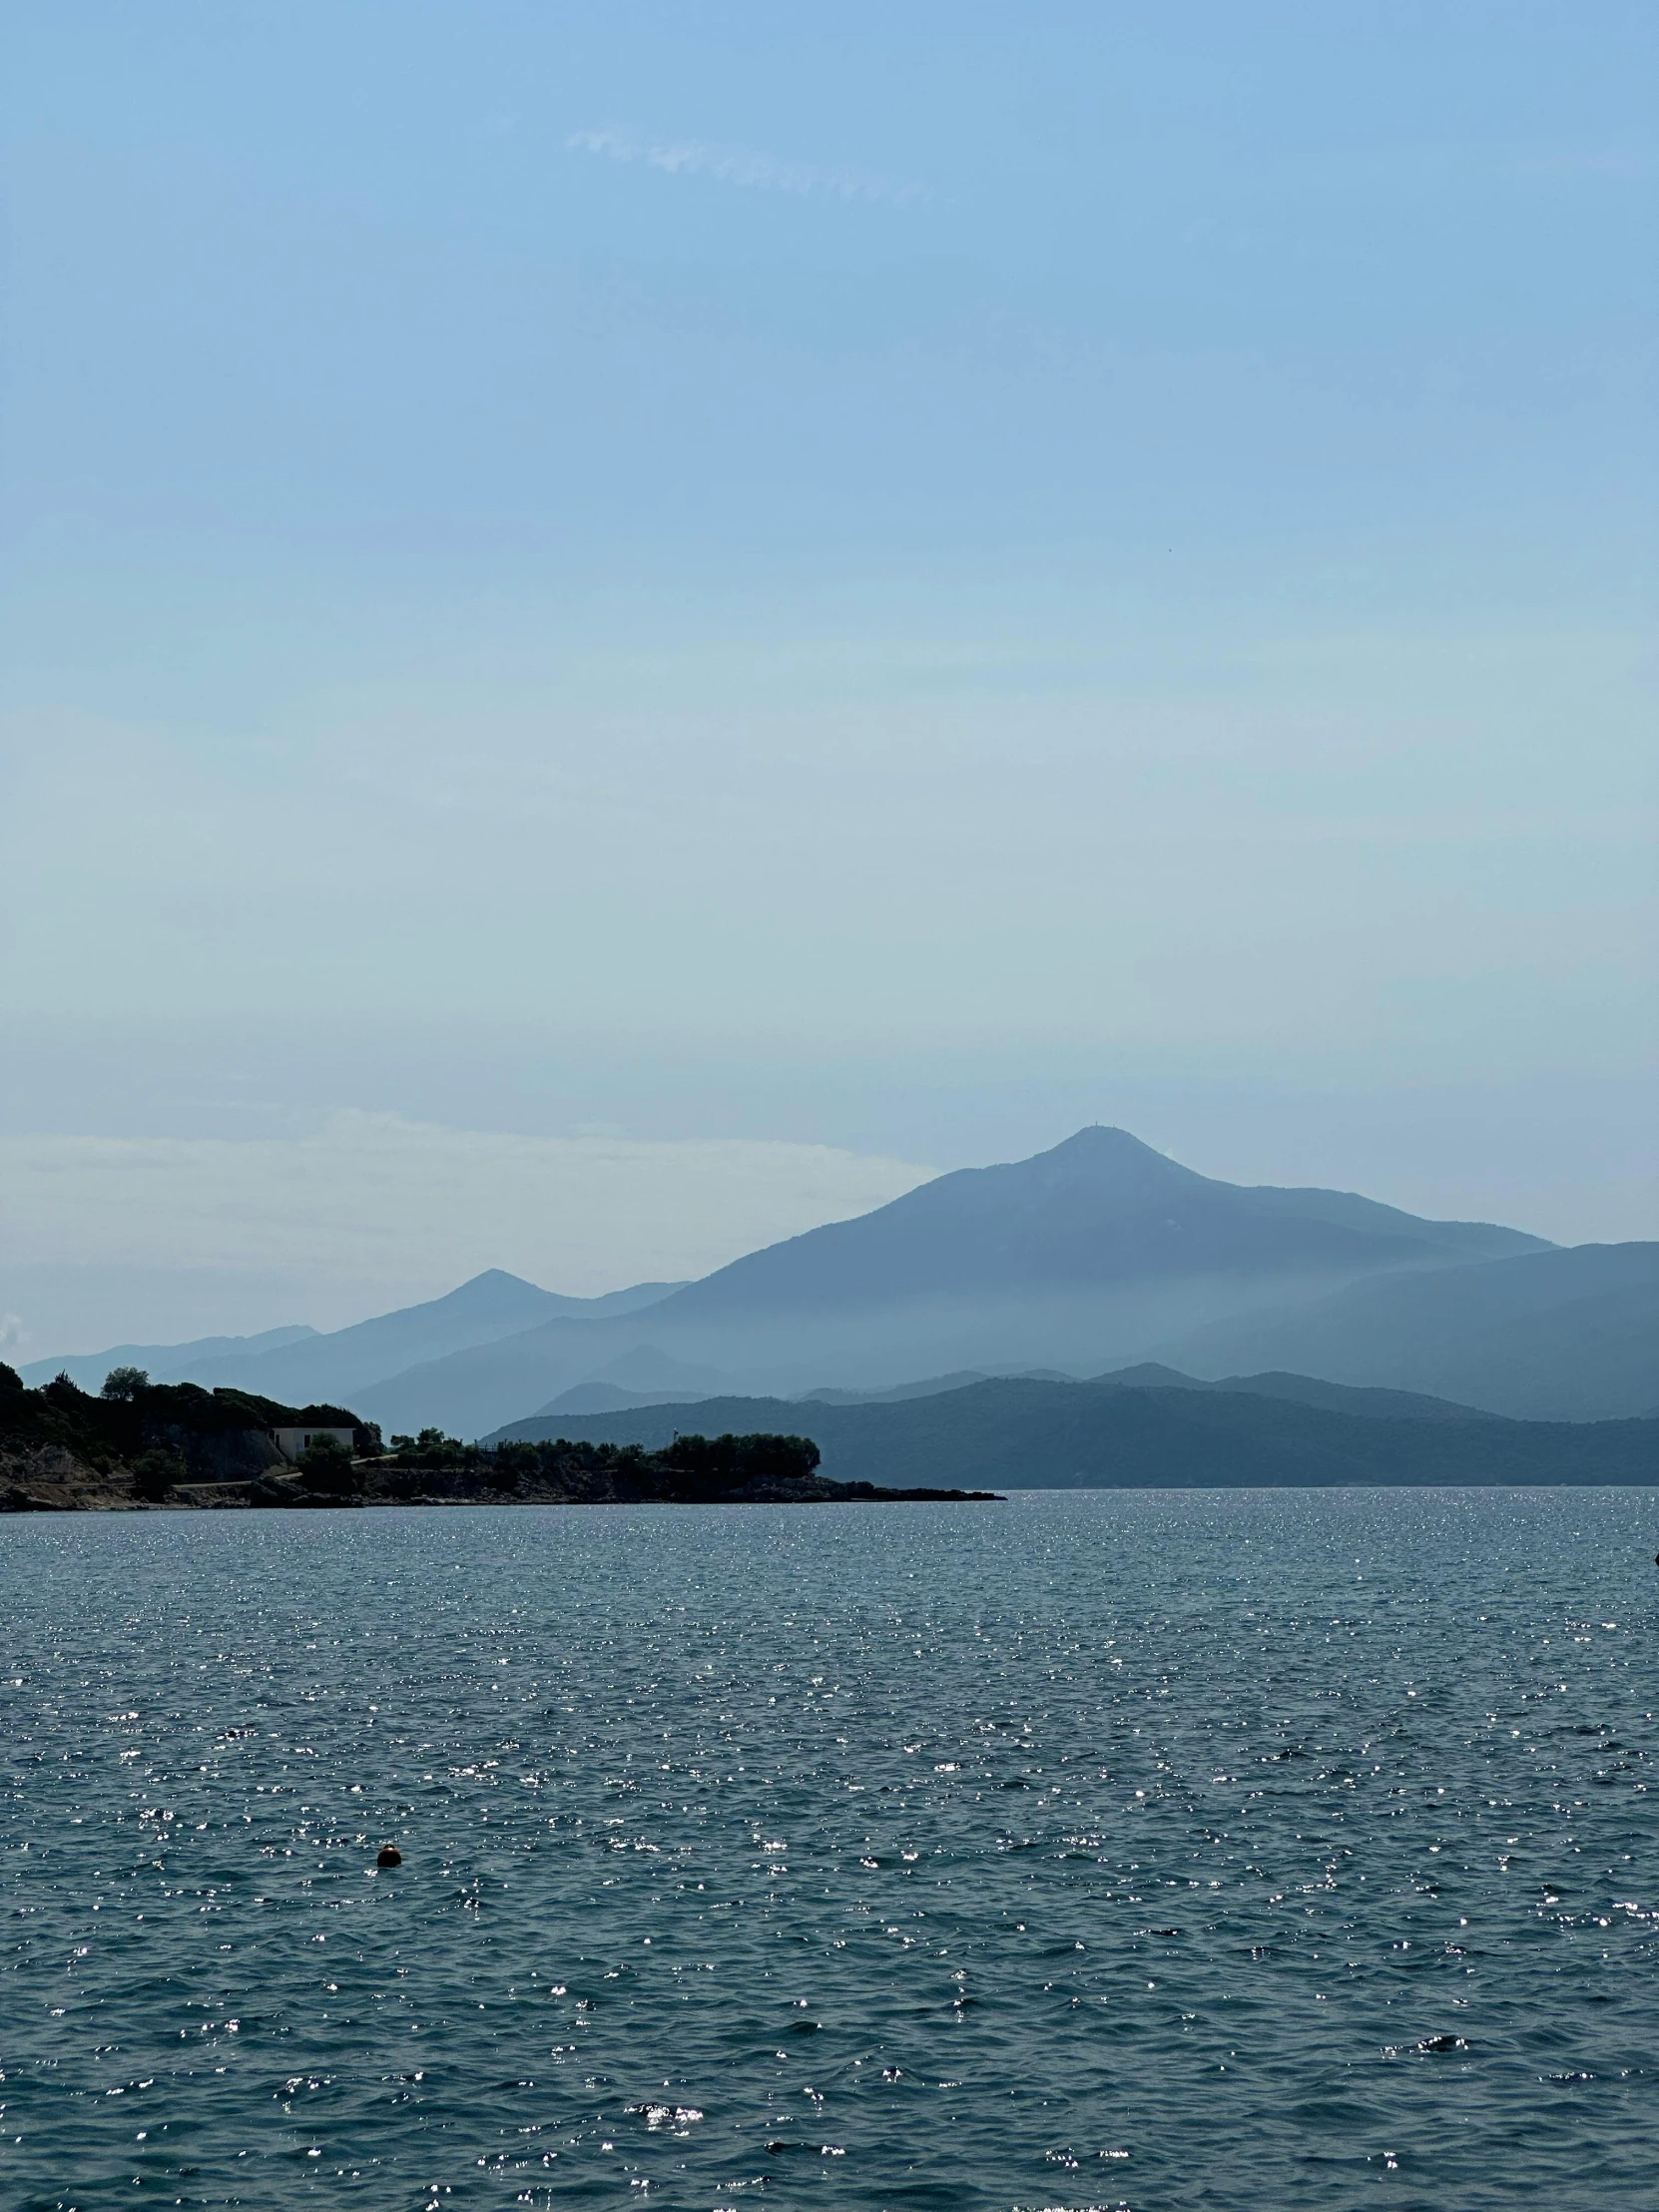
[1169,1850]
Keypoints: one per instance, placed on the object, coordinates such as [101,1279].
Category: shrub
[432,1448]
[154,1475]
[732,1459]
[326,1467]
[508,1462]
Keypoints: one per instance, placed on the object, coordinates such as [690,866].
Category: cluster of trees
[189,1406]
[171,1432]
[704,1463]
[325,1467]
[163,1433]
[432,1448]
[732,1459]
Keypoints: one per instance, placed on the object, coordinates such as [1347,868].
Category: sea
[1100,1849]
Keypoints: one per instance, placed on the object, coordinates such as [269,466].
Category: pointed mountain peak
[495,1291]
[1107,1159]
[1100,1140]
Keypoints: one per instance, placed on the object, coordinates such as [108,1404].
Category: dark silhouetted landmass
[752,1468]
[154,1447]
[67,1446]
[1111,1434]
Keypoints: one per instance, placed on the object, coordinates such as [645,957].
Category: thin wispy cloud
[740,164]
[393,1209]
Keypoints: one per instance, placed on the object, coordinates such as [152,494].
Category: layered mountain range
[1097,1255]
[1151,1428]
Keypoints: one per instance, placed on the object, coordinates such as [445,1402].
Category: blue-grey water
[1152,1850]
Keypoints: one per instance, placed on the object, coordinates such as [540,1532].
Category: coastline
[45,1485]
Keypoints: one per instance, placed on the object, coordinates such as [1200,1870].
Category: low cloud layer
[373,1210]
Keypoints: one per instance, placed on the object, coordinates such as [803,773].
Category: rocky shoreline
[53,1481]
[170,1448]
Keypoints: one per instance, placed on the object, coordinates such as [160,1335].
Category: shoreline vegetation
[140,1446]
[1155,1430]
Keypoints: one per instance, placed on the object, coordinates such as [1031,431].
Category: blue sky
[892,579]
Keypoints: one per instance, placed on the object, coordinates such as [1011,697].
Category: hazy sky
[895,579]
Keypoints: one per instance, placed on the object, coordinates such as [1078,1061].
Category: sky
[779,598]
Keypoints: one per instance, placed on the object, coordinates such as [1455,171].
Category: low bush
[154,1475]
[325,1468]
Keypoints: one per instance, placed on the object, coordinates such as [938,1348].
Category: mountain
[348,1361]
[1100,1212]
[610,1398]
[469,1390]
[163,1363]
[1305,1390]
[929,1387]
[1098,1254]
[644,1368]
[1013,1433]
[932,1385]
[1549,1336]
[1097,1251]
[600,1397]
[642,1377]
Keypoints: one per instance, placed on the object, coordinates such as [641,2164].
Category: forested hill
[1018,1434]
[211,1433]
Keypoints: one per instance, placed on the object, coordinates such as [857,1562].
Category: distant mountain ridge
[1569,1334]
[1098,1211]
[299,1364]
[1099,1254]
[164,1362]
[1099,1250]
[1252,1433]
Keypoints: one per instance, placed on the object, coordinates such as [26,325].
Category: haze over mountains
[1095,1254]
[164,1362]
[299,1365]
[1567,1335]
[1154,1429]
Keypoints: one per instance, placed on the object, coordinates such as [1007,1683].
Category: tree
[124,1384]
[508,1462]
[325,1467]
[732,1459]
[154,1475]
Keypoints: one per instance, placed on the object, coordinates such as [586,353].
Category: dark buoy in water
[390,1855]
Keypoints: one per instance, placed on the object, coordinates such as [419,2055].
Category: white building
[290,1443]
